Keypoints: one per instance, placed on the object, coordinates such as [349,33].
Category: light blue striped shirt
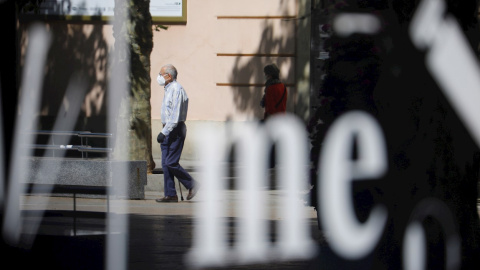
[174,106]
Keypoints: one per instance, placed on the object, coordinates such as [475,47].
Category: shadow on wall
[247,77]
[76,49]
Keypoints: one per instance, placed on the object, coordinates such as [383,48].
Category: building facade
[220,50]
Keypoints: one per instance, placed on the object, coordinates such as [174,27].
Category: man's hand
[160,137]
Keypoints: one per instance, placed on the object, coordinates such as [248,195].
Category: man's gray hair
[170,69]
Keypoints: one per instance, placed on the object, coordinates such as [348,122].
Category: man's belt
[178,122]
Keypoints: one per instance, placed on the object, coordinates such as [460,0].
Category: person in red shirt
[275,97]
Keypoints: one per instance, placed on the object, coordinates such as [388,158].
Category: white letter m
[252,143]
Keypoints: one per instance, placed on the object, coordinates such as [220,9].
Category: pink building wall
[219,52]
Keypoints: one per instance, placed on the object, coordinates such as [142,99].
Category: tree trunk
[138,28]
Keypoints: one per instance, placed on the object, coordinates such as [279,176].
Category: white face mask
[161,80]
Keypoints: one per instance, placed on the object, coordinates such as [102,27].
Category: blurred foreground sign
[397,183]
[210,245]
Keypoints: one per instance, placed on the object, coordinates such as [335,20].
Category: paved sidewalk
[160,234]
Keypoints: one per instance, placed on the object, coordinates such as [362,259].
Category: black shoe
[167,199]
[193,191]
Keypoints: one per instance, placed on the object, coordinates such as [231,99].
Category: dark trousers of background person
[172,148]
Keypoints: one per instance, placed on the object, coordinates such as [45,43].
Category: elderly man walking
[172,136]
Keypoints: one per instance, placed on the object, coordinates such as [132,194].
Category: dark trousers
[172,148]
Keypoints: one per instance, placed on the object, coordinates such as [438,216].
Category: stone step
[91,172]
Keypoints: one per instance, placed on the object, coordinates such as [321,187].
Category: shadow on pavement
[69,240]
